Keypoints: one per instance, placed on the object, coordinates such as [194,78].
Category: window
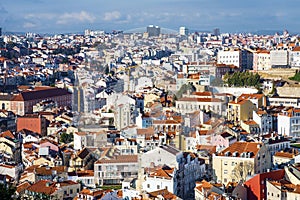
[148,185]
[71,191]
[225,171]
[225,162]
[158,187]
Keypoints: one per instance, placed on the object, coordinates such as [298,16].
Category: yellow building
[240,110]
[240,160]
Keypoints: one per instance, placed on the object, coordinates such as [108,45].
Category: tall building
[153,31]
[183,31]
[216,31]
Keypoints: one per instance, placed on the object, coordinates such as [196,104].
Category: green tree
[184,88]
[66,138]
[296,77]
[7,192]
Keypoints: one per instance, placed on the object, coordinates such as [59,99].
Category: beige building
[240,110]
[192,104]
[261,60]
[240,160]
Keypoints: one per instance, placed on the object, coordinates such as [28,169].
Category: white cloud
[29,25]
[110,16]
[33,16]
[82,16]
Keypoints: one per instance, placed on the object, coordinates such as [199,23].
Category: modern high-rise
[153,31]
[183,30]
[216,31]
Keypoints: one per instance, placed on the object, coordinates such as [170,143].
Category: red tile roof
[119,159]
[8,134]
[164,172]
[43,186]
[193,99]
[40,93]
[256,184]
[241,147]
[22,187]
[284,154]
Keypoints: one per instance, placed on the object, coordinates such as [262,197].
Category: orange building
[33,122]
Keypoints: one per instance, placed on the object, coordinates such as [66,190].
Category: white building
[284,101]
[162,178]
[183,30]
[289,122]
[123,116]
[232,57]
[294,57]
[279,57]
[116,169]
[264,121]
[178,180]
[160,156]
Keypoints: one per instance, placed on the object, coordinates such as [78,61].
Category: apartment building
[294,57]
[186,105]
[231,57]
[289,122]
[116,169]
[279,58]
[240,110]
[264,120]
[240,160]
[261,60]
[162,178]
[284,101]
[89,139]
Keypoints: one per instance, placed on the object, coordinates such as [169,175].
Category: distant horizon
[259,32]
[41,16]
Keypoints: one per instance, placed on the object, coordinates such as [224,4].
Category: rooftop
[241,149]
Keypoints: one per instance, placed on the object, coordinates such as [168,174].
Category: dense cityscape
[153,114]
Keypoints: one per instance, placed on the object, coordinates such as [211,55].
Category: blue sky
[60,16]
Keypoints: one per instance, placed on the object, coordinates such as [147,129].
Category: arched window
[3,106]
